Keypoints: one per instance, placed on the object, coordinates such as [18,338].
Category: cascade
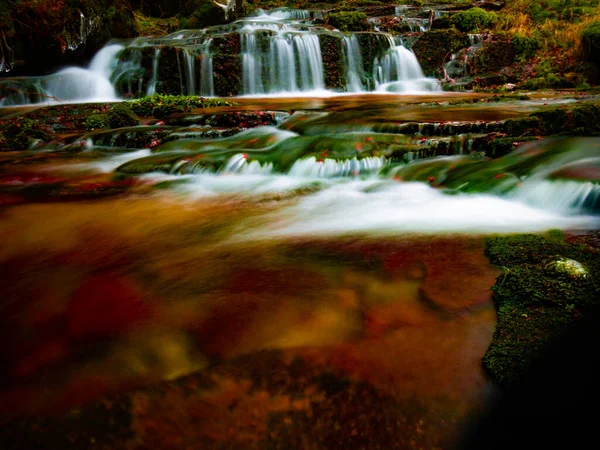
[69,84]
[282,51]
[353,63]
[458,65]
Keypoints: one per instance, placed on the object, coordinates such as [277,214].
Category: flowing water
[309,282]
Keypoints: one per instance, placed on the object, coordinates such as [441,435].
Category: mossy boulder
[545,285]
[522,126]
[574,119]
[434,47]
[97,122]
[494,54]
[505,145]
[122,115]
[348,21]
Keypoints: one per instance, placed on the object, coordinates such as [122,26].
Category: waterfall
[69,84]
[154,79]
[190,65]
[251,65]
[330,168]
[353,63]
[207,87]
[276,52]
[398,70]
[311,62]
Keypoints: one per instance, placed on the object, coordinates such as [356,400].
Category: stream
[315,281]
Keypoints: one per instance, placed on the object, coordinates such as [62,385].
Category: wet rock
[242,119]
[57,33]
[494,54]
[331,51]
[546,284]
[434,47]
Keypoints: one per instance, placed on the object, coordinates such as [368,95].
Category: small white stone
[570,266]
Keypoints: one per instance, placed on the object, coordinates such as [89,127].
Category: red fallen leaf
[397,178]
[358,147]
[319,160]
[498,175]
[430,179]
[368,138]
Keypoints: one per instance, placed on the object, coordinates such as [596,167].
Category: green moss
[525,46]
[536,298]
[493,56]
[504,146]
[97,122]
[433,47]
[561,10]
[348,21]
[161,105]
[474,19]
[575,119]
[122,115]
[522,126]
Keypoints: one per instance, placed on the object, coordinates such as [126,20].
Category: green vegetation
[20,133]
[474,19]
[122,115]
[97,122]
[160,105]
[153,26]
[348,21]
[544,286]
[525,46]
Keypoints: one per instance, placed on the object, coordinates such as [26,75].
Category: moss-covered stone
[348,21]
[504,145]
[574,119]
[494,55]
[536,298]
[434,47]
[331,51]
[522,126]
[121,115]
[97,122]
